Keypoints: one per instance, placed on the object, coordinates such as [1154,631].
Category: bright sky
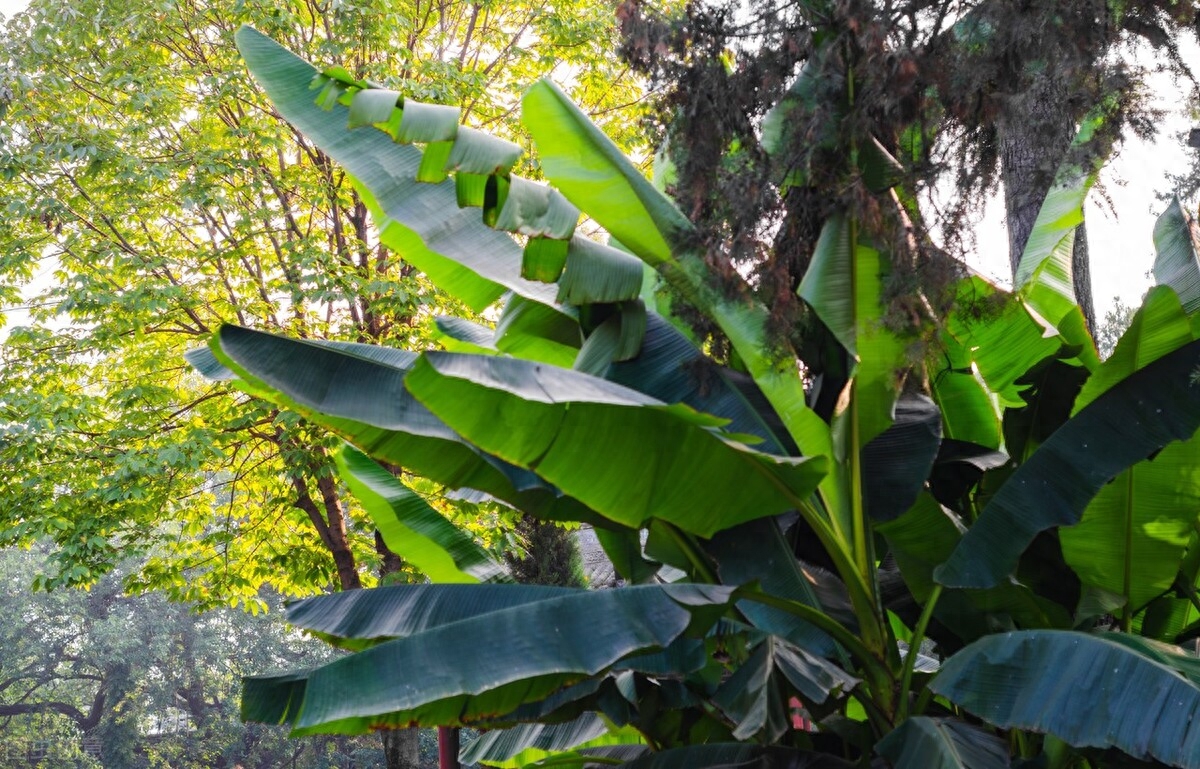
[1120,238]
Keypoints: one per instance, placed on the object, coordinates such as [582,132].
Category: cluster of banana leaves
[996,569]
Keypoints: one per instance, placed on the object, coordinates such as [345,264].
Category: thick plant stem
[914,646]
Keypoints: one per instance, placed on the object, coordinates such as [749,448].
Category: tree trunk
[329,521]
[1035,129]
[401,747]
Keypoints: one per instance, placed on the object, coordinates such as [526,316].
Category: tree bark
[330,522]
[401,747]
[1035,129]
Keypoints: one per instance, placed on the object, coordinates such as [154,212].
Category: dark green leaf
[897,462]
[1036,680]
[1135,418]
[486,665]
[942,743]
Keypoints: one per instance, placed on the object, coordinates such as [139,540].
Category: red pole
[448,747]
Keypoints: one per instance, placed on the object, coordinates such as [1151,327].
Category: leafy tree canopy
[152,194]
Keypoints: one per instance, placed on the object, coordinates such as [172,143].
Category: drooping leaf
[412,529]
[533,331]
[942,743]
[670,368]
[755,696]
[462,335]
[594,273]
[579,159]
[1034,680]
[1132,420]
[618,338]
[659,461]
[488,664]
[358,392]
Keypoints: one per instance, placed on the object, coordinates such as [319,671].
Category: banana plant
[925,575]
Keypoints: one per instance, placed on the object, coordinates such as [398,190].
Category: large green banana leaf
[670,368]
[420,220]
[485,665]
[1131,421]
[1001,337]
[844,285]
[527,329]
[942,743]
[412,529]
[358,392]
[1087,690]
[922,539]
[1177,259]
[625,455]
[1132,536]
[357,619]
[969,413]
[593,174]
[897,462]
[579,159]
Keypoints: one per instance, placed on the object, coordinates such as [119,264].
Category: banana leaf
[525,744]
[593,174]
[756,553]
[1087,690]
[1132,536]
[1135,418]
[1177,258]
[422,221]
[645,459]
[358,392]
[942,743]
[411,528]
[483,666]
[1044,275]
[756,696]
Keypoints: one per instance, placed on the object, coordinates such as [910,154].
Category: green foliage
[151,194]
[813,553]
[149,683]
